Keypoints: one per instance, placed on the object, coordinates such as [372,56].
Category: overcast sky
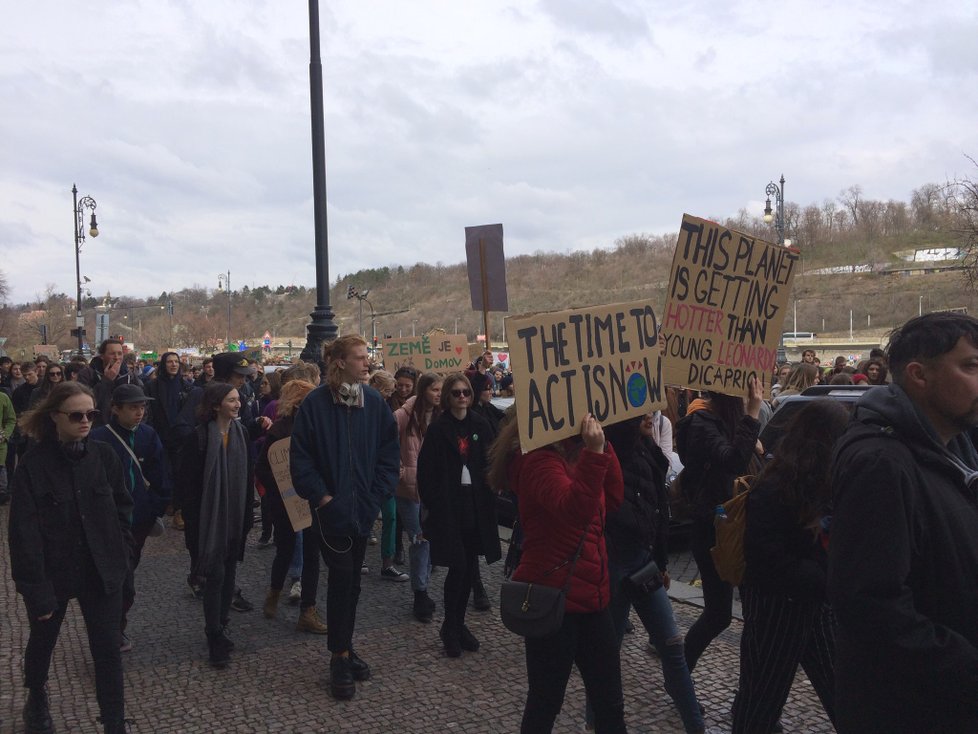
[572,122]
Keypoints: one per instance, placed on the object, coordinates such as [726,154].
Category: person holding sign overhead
[565,490]
[291,396]
[717,442]
[461,511]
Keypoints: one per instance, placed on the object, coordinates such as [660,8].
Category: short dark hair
[106,342]
[927,337]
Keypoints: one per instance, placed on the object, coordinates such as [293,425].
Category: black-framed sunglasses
[77,416]
[463,393]
[55,373]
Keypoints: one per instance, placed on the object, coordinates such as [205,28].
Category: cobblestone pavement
[277,679]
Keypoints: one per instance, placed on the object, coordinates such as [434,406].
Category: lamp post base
[320,331]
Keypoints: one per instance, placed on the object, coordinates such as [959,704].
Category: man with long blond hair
[345,461]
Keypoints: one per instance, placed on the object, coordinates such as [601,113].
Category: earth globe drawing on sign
[638,390]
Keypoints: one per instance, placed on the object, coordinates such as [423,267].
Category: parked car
[789,405]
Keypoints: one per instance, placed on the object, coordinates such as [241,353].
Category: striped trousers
[779,634]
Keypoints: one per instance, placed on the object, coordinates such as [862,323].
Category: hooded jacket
[903,572]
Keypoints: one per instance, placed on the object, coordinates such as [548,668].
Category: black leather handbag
[533,610]
[647,579]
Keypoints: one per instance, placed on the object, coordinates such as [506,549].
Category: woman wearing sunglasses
[70,539]
[53,375]
[459,515]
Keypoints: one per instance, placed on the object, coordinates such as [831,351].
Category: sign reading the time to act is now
[726,301]
[602,360]
[438,352]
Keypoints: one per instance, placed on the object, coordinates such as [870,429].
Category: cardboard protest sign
[726,301]
[486,265]
[441,353]
[300,514]
[602,360]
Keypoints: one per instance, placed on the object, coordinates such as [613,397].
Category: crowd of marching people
[859,539]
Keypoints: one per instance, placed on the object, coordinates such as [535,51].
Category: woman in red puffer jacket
[565,490]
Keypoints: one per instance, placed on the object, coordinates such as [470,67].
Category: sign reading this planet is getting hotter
[602,360]
[726,300]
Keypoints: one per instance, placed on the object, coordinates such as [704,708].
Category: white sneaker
[295,593]
[364,569]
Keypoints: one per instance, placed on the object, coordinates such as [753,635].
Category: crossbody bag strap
[131,453]
[572,561]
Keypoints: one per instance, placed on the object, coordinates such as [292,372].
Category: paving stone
[277,678]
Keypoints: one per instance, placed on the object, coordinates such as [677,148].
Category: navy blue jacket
[350,454]
[149,503]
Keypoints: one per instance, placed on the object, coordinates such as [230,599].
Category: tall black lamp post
[777,217]
[225,278]
[322,328]
[80,205]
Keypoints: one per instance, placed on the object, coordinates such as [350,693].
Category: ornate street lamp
[777,192]
[80,205]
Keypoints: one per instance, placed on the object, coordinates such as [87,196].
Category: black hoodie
[903,572]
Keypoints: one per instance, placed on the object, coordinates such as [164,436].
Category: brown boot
[309,621]
[271,603]
[177,522]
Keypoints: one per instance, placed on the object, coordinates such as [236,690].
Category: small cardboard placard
[438,352]
[726,302]
[602,360]
[300,515]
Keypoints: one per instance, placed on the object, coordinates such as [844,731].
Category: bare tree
[963,194]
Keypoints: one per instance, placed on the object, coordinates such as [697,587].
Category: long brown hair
[454,379]
[416,418]
[502,451]
[802,466]
[37,423]
[292,394]
[213,396]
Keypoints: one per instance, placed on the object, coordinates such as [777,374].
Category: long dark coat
[439,484]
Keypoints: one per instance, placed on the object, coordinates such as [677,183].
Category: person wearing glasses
[459,517]
[53,375]
[70,538]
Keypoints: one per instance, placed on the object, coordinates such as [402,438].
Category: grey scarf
[225,494]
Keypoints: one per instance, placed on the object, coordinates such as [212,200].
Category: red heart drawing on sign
[458,350]
[502,357]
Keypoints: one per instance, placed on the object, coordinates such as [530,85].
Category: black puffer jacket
[62,508]
[642,520]
[903,572]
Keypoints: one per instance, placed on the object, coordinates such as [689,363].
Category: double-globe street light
[80,205]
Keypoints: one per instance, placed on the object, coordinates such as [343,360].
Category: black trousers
[458,586]
[218,592]
[343,556]
[779,634]
[589,641]
[717,595]
[139,535]
[102,614]
[284,549]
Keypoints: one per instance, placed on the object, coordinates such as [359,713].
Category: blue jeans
[419,554]
[655,611]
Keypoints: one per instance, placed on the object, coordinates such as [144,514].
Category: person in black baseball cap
[146,473]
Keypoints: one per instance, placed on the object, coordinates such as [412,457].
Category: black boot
[341,685]
[219,653]
[423,606]
[37,712]
[116,726]
[480,600]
